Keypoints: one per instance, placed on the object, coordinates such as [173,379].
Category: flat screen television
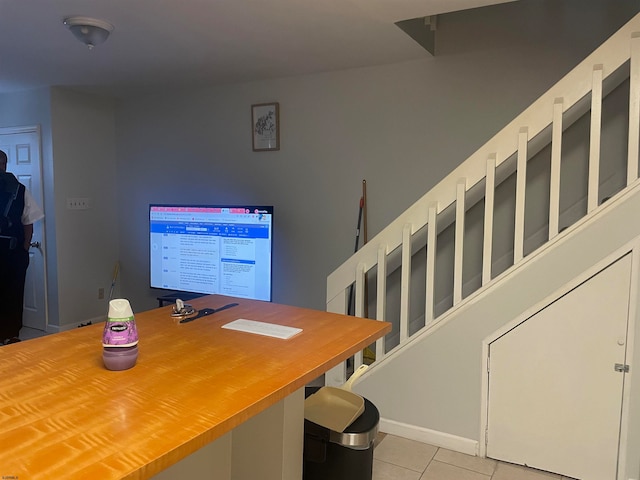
[212,249]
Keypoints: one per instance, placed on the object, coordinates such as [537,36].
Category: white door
[22,146]
[555,397]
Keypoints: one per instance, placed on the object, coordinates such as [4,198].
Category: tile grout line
[489,477]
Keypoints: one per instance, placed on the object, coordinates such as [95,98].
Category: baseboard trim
[432,437]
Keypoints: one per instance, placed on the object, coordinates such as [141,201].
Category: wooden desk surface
[63,415]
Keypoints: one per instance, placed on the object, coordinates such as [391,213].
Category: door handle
[35,244]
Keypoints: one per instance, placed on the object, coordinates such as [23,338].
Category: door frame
[632,248]
[38,131]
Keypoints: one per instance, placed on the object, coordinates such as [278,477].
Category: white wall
[338,128]
[33,107]
[78,160]
[401,127]
[83,137]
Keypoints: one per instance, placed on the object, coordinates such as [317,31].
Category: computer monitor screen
[211,249]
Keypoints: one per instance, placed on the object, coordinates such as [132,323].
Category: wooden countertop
[63,415]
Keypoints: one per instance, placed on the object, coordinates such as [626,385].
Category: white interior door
[555,396]
[23,149]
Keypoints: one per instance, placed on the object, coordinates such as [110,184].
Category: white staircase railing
[581,91]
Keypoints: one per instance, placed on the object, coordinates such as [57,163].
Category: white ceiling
[159,43]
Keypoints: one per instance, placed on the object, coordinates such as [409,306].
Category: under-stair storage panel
[556,381]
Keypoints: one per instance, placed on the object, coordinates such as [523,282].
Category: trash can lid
[357,436]
[361,432]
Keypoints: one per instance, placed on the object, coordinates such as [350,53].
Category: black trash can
[347,455]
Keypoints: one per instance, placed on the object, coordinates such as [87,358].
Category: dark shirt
[13,228]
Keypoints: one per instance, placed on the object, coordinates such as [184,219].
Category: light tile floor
[396,458]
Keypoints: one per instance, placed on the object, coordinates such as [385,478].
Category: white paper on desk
[262,328]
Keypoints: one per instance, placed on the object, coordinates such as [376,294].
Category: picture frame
[265,126]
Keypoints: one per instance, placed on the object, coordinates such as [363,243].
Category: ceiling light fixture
[89,31]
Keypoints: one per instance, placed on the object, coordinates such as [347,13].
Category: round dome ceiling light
[89,31]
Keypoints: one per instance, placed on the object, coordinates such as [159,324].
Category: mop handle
[116,269]
[363,205]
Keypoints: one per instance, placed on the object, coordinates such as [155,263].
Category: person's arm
[28,233]
[30,214]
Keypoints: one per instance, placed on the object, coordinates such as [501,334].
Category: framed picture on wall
[265,126]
